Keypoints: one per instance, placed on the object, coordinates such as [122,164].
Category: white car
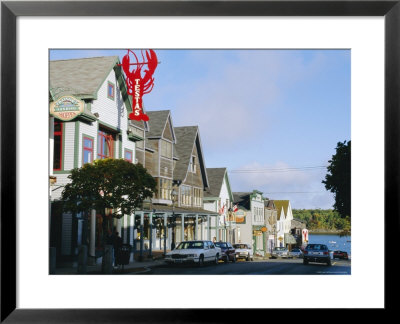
[243,251]
[280,252]
[197,252]
[296,253]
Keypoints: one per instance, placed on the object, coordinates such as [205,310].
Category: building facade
[218,198]
[284,223]
[271,216]
[252,228]
[89,109]
[88,120]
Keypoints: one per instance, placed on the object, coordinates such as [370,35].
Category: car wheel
[234,259]
[328,263]
[216,258]
[248,258]
[201,260]
[226,260]
[305,261]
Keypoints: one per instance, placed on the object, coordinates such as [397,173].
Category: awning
[159,209]
[289,239]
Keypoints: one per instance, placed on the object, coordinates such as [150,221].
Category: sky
[273,118]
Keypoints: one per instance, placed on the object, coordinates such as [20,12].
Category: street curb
[146,268]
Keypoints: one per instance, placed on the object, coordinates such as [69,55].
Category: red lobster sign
[137,84]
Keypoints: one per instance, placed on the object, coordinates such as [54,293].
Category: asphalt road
[258,267]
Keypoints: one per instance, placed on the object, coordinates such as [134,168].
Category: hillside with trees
[323,220]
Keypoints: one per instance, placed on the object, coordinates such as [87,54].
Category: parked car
[197,252]
[296,253]
[316,253]
[243,251]
[227,251]
[340,255]
[280,252]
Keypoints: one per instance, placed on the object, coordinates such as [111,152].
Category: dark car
[340,255]
[227,251]
[316,253]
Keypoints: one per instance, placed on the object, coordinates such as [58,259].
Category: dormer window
[110,90]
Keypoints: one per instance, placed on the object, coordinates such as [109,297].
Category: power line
[296,192]
[270,170]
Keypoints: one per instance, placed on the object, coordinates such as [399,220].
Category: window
[192,164]
[58,146]
[105,145]
[128,156]
[186,198]
[165,188]
[87,150]
[197,197]
[166,149]
[110,91]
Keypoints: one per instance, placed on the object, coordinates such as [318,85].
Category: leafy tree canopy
[338,178]
[324,219]
[113,184]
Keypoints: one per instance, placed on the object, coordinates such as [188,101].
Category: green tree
[338,178]
[110,186]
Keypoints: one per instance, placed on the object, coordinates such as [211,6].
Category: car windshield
[316,247]
[240,246]
[280,249]
[295,250]
[221,245]
[190,245]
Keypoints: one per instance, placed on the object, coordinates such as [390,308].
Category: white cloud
[303,188]
[235,100]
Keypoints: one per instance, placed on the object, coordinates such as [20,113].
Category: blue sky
[269,110]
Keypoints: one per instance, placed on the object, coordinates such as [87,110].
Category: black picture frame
[10,10]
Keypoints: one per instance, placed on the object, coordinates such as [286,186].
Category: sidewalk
[136,267]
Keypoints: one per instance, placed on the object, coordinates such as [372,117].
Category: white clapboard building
[89,108]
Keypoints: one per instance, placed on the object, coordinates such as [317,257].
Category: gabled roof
[157,121]
[279,204]
[242,199]
[269,204]
[186,138]
[215,179]
[141,124]
[80,77]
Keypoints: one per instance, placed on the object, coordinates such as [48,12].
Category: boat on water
[348,241]
[332,242]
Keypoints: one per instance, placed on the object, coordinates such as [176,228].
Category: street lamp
[174,196]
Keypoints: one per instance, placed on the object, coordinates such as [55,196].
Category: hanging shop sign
[139,81]
[240,217]
[263,229]
[305,235]
[231,216]
[66,108]
[257,233]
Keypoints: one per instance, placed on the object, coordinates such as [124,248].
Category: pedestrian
[117,244]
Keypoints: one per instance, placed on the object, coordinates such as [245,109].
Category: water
[341,244]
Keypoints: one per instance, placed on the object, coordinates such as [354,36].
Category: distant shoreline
[324,231]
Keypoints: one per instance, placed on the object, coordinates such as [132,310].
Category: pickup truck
[197,252]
